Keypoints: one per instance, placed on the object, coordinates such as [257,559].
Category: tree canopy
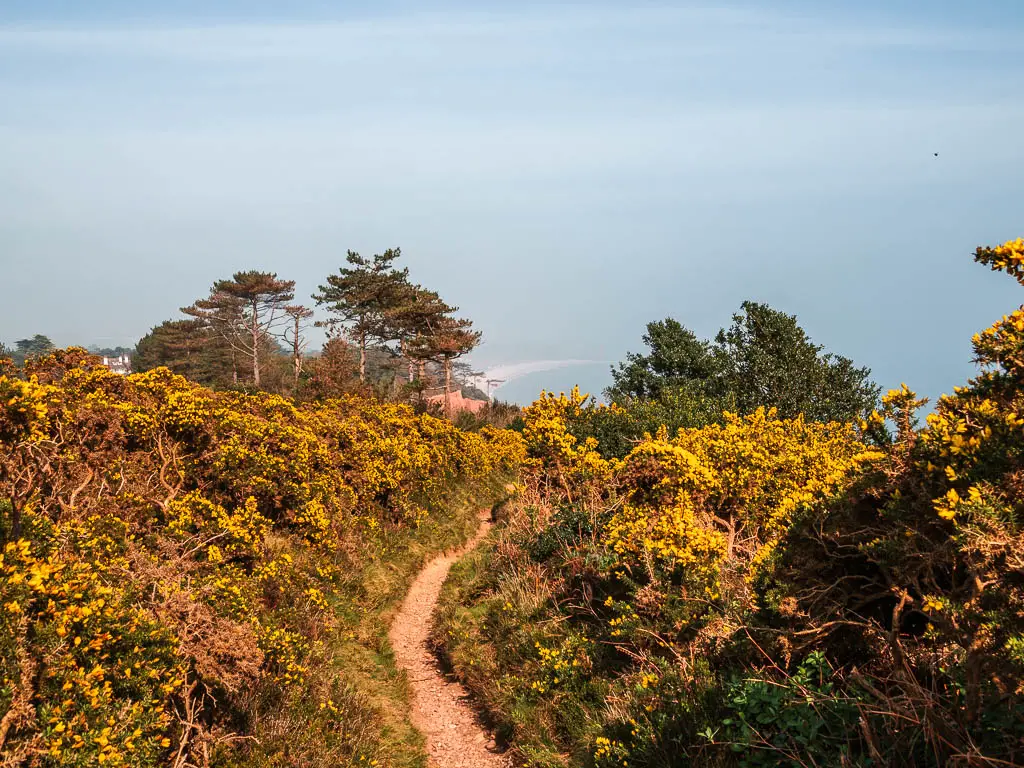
[764,358]
[676,358]
[452,338]
[32,347]
[186,347]
[361,295]
[416,314]
[378,323]
[246,311]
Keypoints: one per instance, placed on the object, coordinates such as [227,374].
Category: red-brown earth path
[440,707]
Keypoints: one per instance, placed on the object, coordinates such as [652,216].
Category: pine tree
[418,313]
[293,336]
[450,339]
[37,346]
[361,295]
[188,348]
[245,311]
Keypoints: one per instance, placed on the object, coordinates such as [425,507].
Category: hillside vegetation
[759,589]
[386,335]
[746,559]
[191,577]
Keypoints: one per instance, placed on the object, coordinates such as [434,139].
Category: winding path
[440,708]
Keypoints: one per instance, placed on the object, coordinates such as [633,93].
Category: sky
[564,173]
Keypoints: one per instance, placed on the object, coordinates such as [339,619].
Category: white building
[121,364]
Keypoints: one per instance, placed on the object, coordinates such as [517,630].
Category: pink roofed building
[457,403]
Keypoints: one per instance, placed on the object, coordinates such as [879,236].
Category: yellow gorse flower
[166,503]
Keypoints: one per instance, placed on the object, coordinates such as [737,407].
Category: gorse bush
[917,578]
[179,566]
[762,590]
[632,571]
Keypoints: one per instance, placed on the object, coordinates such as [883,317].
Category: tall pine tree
[361,296]
[245,311]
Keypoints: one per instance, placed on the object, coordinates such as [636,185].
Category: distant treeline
[385,334]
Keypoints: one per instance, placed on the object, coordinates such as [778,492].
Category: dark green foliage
[677,358]
[361,296]
[188,348]
[36,346]
[772,362]
[763,359]
[565,531]
[793,720]
[245,313]
[496,413]
[617,430]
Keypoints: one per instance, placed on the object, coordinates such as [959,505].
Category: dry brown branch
[21,710]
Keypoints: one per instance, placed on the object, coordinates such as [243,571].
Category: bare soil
[441,710]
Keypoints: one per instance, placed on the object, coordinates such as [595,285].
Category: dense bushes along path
[439,707]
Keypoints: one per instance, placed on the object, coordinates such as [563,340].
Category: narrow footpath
[440,708]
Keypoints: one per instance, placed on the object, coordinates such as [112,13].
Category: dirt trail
[440,709]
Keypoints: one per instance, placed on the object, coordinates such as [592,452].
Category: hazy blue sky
[565,173]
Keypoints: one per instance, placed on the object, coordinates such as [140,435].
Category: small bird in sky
[936,154]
